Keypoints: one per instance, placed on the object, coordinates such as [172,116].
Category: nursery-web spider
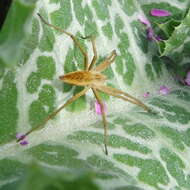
[90,78]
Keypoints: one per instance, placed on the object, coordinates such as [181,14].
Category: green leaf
[79,104]
[8,108]
[169,26]
[46,67]
[11,169]
[42,178]
[15,31]
[60,19]
[146,151]
[47,40]
[179,35]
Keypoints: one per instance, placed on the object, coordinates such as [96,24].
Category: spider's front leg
[76,42]
[107,62]
[93,62]
[53,114]
[103,118]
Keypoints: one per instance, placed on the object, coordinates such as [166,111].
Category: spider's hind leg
[103,118]
[123,95]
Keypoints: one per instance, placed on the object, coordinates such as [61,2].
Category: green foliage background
[146,151]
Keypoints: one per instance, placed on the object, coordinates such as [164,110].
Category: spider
[90,78]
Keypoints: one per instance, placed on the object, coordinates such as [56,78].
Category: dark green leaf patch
[37,113]
[79,104]
[41,108]
[173,135]
[45,178]
[128,6]
[79,58]
[106,166]
[33,82]
[107,29]
[46,67]
[149,71]
[151,171]
[119,25]
[139,130]
[90,28]
[114,141]
[32,40]
[157,65]
[8,108]
[10,169]
[78,10]
[62,17]
[139,31]
[119,65]
[101,9]
[99,124]
[128,77]
[48,39]
[124,61]
[57,155]
[175,167]
[173,113]
[47,95]
[88,12]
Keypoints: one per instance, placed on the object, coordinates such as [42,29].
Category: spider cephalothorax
[83,78]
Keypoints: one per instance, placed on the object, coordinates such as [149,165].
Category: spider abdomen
[83,78]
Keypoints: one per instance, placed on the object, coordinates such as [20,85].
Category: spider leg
[106,62]
[72,37]
[103,118]
[53,114]
[93,62]
[118,93]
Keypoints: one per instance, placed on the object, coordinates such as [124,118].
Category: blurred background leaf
[15,30]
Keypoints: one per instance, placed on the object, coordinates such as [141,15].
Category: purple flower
[145,21]
[98,108]
[187,79]
[149,31]
[158,38]
[159,12]
[164,90]
[23,143]
[146,94]
[20,136]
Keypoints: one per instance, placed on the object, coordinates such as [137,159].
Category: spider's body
[83,78]
[90,78]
